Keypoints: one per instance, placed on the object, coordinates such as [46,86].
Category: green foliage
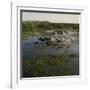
[51,65]
[31,27]
[37,26]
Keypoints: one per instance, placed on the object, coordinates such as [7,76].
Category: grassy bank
[51,65]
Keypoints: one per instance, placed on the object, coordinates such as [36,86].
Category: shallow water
[31,49]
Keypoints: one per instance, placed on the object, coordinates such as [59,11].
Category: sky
[51,17]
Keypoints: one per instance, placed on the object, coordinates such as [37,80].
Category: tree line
[40,26]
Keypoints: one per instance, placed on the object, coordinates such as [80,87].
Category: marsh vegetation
[49,49]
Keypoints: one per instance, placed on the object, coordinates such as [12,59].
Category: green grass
[51,65]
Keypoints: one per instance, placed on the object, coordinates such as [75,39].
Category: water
[34,47]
